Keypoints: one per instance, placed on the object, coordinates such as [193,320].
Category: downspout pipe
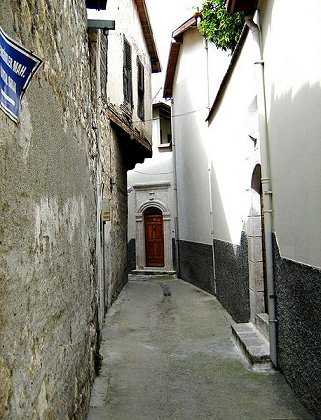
[266,187]
[176,217]
[209,168]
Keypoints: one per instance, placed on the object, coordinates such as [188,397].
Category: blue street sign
[17,67]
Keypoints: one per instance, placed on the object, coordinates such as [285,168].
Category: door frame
[256,255]
[140,236]
[154,213]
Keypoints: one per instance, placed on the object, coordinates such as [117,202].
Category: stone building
[83,123]
[248,175]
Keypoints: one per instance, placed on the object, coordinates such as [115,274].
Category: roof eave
[246,6]
[162,105]
[171,68]
[148,35]
[177,39]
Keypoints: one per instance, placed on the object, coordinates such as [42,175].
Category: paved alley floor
[172,357]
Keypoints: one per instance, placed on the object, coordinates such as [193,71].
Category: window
[165,128]
[127,74]
[140,90]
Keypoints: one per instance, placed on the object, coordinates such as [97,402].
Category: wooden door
[154,240]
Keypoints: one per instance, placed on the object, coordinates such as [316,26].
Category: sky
[165,16]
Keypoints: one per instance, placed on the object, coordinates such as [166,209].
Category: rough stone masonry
[48,309]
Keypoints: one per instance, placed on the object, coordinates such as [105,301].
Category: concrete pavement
[172,357]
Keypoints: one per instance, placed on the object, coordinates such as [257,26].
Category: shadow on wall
[294,131]
[298,286]
[231,266]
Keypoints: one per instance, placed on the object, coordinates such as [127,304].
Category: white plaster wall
[190,110]
[218,61]
[231,150]
[292,54]
[157,169]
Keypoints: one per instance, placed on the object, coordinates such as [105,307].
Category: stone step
[254,346]
[152,272]
[262,324]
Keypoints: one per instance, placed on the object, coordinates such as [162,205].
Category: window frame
[140,90]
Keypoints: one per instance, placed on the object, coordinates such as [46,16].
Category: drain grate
[166,289]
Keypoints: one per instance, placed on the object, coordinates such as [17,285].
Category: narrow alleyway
[172,357]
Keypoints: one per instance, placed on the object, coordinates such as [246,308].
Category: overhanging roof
[177,39]
[246,6]
[162,106]
[136,147]
[148,34]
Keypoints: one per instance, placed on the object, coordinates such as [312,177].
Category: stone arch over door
[140,235]
[257,286]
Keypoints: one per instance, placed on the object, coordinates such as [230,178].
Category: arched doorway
[257,280]
[153,208]
[154,237]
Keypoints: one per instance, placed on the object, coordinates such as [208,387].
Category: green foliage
[222,28]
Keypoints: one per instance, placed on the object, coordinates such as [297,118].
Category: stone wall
[48,310]
[232,278]
[196,264]
[117,243]
[298,294]
[131,247]
[61,267]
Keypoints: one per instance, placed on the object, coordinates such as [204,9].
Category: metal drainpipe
[209,167]
[266,188]
[99,186]
[176,226]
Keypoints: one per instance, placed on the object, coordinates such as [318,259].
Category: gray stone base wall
[174,255]
[131,254]
[196,264]
[232,278]
[298,291]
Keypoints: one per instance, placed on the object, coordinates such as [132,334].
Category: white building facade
[151,207]
[249,174]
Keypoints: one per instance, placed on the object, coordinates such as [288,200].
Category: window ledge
[165,146]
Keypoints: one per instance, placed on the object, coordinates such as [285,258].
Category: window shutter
[127,73]
[140,76]
[140,90]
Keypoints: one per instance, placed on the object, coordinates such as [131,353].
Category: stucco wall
[232,152]
[157,169]
[47,309]
[293,73]
[189,113]
[298,311]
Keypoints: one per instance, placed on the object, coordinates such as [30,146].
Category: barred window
[127,73]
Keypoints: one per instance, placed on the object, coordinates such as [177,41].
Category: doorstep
[254,346]
[150,271]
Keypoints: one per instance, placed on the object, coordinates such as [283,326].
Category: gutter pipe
[176,227]
[209,168]
[266,187]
